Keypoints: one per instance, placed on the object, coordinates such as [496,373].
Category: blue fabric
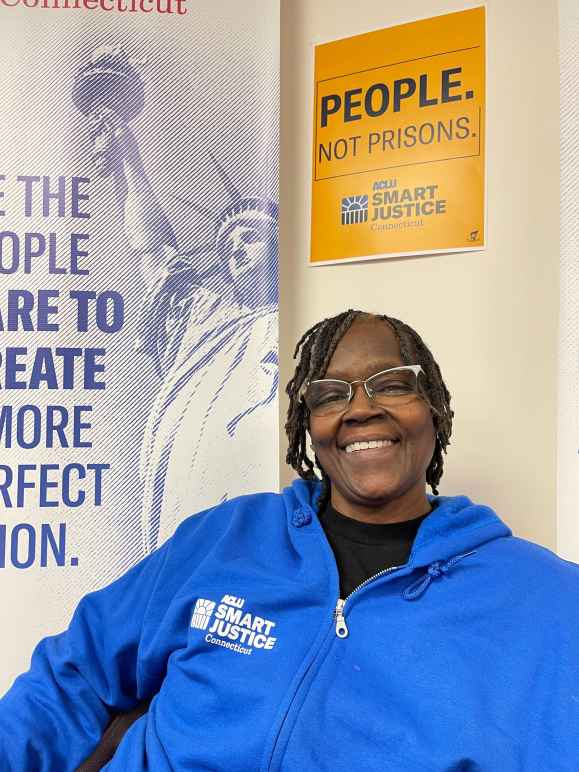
[464,659]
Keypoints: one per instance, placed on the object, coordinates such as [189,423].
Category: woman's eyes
[331,396]
[385,387]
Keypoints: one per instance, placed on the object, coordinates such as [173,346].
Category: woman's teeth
[367,445]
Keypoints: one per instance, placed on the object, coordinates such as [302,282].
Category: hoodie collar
[454,527]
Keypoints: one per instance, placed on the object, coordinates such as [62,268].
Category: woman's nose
[361,405]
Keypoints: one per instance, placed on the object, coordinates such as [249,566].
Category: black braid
[316,347]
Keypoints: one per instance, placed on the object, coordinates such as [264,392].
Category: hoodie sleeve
[54,715]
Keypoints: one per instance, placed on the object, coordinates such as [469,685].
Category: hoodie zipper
[341,631]
[341,626]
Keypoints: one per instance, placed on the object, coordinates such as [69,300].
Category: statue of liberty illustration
[212,335]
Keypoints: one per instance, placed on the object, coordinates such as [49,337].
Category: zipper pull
[341,626]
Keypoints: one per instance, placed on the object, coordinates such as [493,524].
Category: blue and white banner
[138,285]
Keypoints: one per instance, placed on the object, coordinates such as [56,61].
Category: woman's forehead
[368,346]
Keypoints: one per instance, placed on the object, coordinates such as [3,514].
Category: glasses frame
[416,369]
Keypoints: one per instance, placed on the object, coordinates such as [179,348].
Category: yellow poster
[398,150]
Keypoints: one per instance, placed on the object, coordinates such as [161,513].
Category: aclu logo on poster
[354,210]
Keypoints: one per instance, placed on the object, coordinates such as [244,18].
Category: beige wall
[490,317]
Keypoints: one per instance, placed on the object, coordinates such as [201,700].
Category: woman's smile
[363,447]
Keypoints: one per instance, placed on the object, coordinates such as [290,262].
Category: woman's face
[378,484]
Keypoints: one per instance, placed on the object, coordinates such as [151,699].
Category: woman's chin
[372,497]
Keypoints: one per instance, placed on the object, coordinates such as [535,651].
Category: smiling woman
[385,484]
[352,612]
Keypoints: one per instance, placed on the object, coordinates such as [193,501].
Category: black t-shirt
[364,549]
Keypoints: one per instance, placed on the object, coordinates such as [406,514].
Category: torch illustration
[110,92]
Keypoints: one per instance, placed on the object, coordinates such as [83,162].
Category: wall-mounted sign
[398,150]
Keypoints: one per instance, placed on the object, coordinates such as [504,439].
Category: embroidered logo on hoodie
[232,626]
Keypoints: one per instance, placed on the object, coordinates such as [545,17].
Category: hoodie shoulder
[220,516]
[543,584]
[538,558]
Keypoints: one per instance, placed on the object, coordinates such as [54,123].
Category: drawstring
[436,569]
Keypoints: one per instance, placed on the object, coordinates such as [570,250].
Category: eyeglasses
[392,387]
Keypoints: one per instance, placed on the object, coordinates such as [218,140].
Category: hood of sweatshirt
[454,527]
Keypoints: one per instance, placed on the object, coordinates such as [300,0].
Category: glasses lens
[325,397]
[394,386]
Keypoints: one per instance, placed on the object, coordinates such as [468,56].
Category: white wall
[490,317]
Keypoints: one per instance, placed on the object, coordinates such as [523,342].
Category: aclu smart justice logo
[354,210]
[390,201]
[229,626]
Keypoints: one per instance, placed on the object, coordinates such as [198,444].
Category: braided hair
[316,348]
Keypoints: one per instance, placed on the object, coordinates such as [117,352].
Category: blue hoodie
[465,658]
